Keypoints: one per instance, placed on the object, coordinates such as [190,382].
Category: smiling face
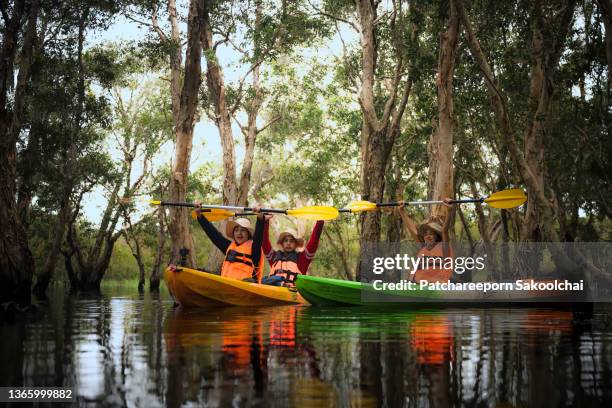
[289,243]
[241,234]
[430,236]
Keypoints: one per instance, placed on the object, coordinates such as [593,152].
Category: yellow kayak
[193,288]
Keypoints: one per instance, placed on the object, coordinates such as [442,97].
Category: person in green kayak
[288,262]
[241,246]
[433,236]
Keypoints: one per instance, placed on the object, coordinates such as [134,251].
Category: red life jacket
[285,265]
[433,274]
[238,263]
[283,329]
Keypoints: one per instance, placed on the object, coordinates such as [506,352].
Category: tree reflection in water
[124,350]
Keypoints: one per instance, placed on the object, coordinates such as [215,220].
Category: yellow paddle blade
[314,213]
[360,206]
[214,214]
[154,202]
[507,198]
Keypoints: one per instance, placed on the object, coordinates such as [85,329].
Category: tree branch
[335,18]
[274,120]
[394,88]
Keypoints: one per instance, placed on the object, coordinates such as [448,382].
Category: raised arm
[306,256]
[313,241]
[257,241]
[409,224]
[266,246]
[213,234]
[446,244]
[447,221]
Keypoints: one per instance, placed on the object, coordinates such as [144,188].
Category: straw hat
[436,227]
[293,234]
[239,222]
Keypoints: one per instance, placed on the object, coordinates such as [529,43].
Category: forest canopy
[290,104]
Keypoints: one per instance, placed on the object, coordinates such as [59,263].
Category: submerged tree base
[88,289]
[18,293]
[9,311]
[154,286]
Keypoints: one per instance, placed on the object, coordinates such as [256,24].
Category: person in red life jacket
[287,262]
[435,248]
[243,255]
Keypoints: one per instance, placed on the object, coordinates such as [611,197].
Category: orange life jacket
[285,265]
[433,274]
[431,337]
[242,340]
[238,263]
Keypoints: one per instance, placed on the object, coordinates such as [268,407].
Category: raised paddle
[308,213]
[502,199]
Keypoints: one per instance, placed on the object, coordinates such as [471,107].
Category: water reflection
[125,350]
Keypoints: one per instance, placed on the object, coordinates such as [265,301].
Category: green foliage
[309,149]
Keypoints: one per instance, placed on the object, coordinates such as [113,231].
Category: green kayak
[337,292]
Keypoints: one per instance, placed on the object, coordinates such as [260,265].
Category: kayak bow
[193,288]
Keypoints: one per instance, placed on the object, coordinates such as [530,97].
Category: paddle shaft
[222,207]
[246,209]
[431,202]
[175,204]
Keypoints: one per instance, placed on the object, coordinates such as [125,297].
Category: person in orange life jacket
[287,263]
[433,235]
[243,256]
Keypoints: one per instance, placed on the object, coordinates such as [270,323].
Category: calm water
[126,350]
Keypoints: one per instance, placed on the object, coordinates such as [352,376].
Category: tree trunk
[504,250]
[179,226]
[249,140]
[175,62]
[222,119]
[441,143]
[93,264]
[499,108]
[605,6]
[161,243]
[130,234]
[394,191]
[73,278]
[566,265]
[466,229]
[251,133]
[26,171]
[234,192]
[16,262]
[378,133]
[141,268]
[482,219]
[28,161]
[545,60]
[46,274]
[216,87]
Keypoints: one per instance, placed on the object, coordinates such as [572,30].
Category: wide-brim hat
[299,241]
[239,222]
[432,225]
